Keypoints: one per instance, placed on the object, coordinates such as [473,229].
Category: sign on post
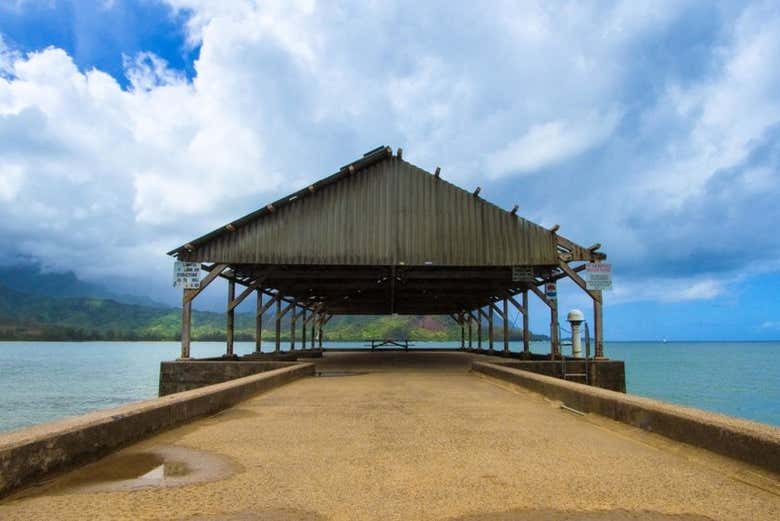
[598,276]
[522,273]
[551,290]
[186,275]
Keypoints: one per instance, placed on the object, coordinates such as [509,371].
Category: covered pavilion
[382,236]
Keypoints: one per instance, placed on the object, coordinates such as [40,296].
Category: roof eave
[369,158]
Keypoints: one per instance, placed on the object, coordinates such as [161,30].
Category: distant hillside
[31,279]
[25,316]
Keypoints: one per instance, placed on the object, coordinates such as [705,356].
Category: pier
[417,435]
[391,431]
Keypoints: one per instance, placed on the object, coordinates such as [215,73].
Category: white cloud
[146,71]
[11,178]
[285,92]
[550,143]
[667,289]
[725,114]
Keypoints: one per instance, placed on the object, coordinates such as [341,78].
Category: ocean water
[44,381]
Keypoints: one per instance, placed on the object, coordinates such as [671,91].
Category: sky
[130,127]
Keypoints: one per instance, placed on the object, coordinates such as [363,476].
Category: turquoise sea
[43,381]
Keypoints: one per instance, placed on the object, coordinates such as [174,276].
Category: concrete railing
[29,454]
[751,442]
[184,375]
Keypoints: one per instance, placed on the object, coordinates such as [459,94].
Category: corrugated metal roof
[380,210]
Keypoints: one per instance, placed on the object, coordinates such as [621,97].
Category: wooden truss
[312,294]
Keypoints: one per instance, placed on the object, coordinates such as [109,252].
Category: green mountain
[32,279]
[25,316]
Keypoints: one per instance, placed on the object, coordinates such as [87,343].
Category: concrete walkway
[419,437]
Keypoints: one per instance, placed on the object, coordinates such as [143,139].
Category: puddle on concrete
[558,515]
[141,466]
[134,469]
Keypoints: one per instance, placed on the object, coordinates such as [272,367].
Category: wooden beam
[479,331]
[577,252]
[526,333]
[267,305]
[506,326]
[273,294]
[462,332]
[495,308]
[293,317]
[216,270]
[244,294]
[320,325]
[311,317]
[578,280]
[278,339]
[521,308]
[490,328]
[562,275]
[470,322]
[280,314]
[186,323]
[555,346]
[598,329]
[303,328]
[541,295]
[259,322]
[231,318]
[314,323]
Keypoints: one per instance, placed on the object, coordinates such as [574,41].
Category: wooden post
[490,328]
[313,323]
[231,318]
[259,322]
[479,330]
[597,297]
[186,323]
[292,328]
[506,326]
[319,331]
[188,295]
[598,326]
[526,333]
[555,346]
[555,341]
[471,319]
[278,346]
[303,329]
[462,332]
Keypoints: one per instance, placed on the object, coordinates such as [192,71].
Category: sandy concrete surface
[424,440]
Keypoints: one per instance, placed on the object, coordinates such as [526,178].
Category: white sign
[551,291]
[598,276]
[522,273]
[186,275]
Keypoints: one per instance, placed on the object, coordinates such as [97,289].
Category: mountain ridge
[34,317]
